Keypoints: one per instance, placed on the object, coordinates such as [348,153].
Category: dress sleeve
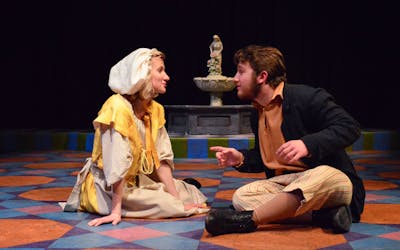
[164,148]
[117,156]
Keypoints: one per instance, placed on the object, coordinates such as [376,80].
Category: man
[301,135]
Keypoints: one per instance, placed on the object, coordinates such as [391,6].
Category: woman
[130,171]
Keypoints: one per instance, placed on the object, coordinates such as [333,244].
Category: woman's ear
[262,77]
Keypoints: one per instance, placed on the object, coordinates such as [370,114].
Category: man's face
[246,82]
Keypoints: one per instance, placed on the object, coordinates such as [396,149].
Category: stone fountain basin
[216,83]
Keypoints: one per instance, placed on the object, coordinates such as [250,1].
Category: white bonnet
[129,74]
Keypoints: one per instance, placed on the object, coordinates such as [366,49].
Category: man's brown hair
[265,58]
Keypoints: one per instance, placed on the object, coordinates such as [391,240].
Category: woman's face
[159,77]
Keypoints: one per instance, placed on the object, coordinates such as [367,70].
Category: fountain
[215,82]
[215,119]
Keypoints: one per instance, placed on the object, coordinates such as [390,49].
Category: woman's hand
[113,218]
[190,206]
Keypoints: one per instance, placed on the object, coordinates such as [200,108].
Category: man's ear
[262,77]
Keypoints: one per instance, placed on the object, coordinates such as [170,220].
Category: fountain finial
[215,82]
[215,63]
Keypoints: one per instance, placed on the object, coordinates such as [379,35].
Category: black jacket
[311,114]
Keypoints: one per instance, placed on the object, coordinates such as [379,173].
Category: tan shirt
[270,133]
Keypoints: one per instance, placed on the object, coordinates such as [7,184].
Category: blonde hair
[147,91]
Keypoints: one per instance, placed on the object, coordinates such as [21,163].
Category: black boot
[225,221]
[192,181]
[337,218]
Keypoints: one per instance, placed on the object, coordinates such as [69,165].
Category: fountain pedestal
[215,119]
[216,85]
[183,120]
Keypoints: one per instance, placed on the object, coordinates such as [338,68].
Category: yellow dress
[124,148]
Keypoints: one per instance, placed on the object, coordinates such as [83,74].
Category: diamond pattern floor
[32,184]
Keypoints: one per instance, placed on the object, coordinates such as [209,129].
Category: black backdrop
[56,55]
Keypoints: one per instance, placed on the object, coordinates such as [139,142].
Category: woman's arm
[165,175]
[115,216]
[164,172]
[116,161]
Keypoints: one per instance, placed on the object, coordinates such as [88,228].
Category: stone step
[183,146]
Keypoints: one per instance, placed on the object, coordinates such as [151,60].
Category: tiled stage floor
[32,184]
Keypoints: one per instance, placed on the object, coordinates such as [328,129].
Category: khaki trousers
[322,187]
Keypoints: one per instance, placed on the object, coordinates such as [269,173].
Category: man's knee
[237,200]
